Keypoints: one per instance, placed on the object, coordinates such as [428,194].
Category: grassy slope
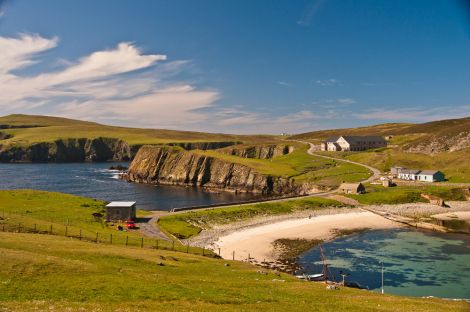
[53,128]
[42,272]
[28,208]
[188,224]
[405,194]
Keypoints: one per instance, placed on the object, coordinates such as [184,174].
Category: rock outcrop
[173,166]
[259,151]
[437,144]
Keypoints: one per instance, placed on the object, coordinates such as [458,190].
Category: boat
[312,277]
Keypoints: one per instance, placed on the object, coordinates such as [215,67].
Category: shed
[120,211]
[352,188]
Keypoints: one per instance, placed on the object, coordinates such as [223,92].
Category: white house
[408,174]
[431,176]
[353,143]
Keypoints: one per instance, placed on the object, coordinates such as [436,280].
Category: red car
[130,224]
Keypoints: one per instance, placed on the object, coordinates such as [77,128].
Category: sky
[236,66]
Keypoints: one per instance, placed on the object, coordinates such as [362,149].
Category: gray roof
[350,186]
[352,139]
[332,139]
[429,172]
[410,171]
[120,204]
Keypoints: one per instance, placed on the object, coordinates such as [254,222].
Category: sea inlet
[95,180]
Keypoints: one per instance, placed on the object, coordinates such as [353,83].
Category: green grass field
[188,224]
[406,194]
[54,128]
[43,272]
[69,215]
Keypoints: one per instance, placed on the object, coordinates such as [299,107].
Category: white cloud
[122,85]
[285,84]
[328,82]
[346,101]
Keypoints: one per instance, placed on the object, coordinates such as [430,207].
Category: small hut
[352,188]
[120,211]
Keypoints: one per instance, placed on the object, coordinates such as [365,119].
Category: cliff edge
[174,166]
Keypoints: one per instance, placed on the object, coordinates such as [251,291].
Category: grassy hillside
[406,194]
[49,129]
[188,224]
[43,272]
[440,136]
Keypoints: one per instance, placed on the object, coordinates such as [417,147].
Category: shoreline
[252,240]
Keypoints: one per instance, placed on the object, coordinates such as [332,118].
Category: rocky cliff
[70,150]
[259,151]
[442,143]
[172,166]
[82,150]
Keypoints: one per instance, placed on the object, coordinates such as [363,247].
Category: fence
[107,236]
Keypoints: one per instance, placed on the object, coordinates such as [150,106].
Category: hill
[441,145]
[53,272]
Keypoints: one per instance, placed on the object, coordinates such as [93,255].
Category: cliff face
[71,150]
[83,150]
[159,165]
[259,151]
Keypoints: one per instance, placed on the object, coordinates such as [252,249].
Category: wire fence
[109,236]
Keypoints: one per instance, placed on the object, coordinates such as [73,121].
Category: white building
[353,143]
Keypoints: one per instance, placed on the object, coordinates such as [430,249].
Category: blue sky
[245,66]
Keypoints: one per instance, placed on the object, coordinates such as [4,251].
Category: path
[150,228]
[375,172]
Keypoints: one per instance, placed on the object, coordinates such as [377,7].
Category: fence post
[50,232]
[142,242]
[203,251]
[96,237]
[233,255]
[66,230]
[127,240]
[111,239]
[187,247]
[34,227]
[80,234]
[219,252]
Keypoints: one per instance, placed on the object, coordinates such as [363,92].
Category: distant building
[352,188]
[417,175]
[353,143]
[120,211]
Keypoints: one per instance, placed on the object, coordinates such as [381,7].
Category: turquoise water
[416,263]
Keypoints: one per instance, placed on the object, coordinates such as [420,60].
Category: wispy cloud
[328,82]
[3,4]
[285,84]
[310,12]
[415,114]
[120,84]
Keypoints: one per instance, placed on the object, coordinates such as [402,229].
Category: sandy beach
[257,241]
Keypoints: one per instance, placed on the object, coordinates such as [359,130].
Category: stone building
[352,188]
